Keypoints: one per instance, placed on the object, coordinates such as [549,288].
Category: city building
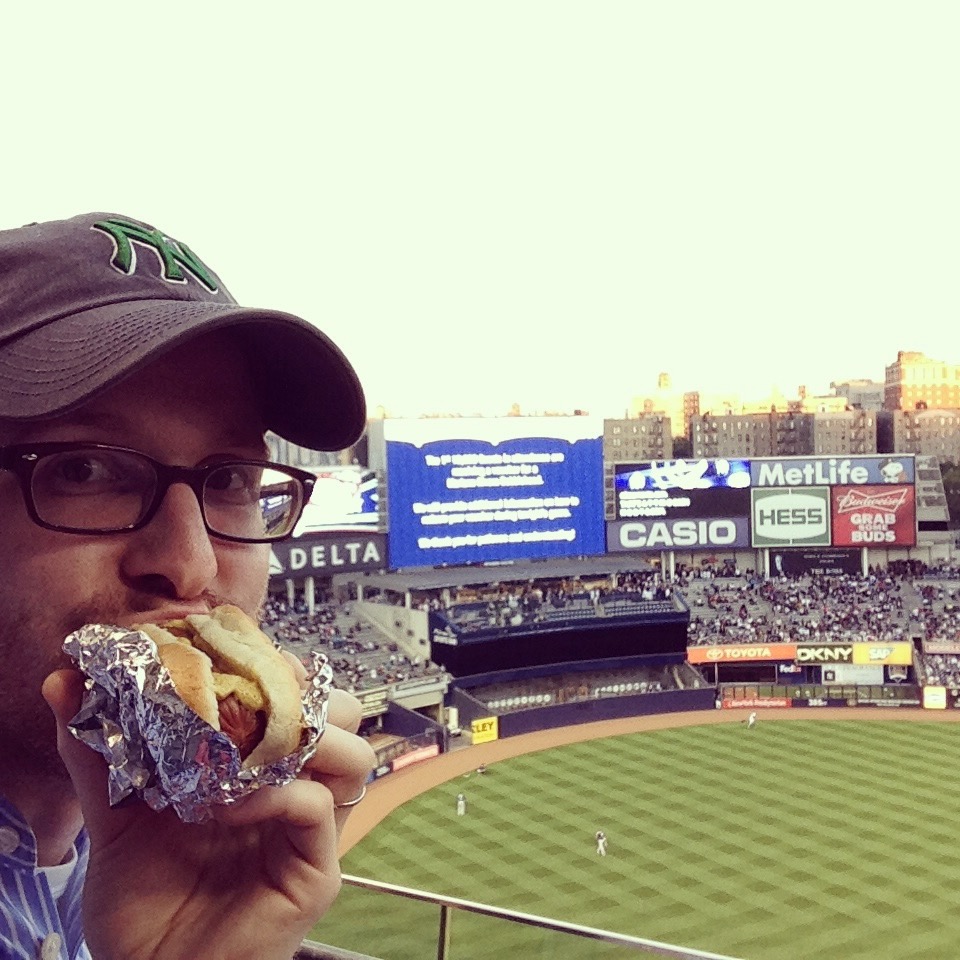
[731,435]
[845,432]
[860,394]
[786,434]
[934,433]
[915,381]
[636,439]
[822,404]
[663,401]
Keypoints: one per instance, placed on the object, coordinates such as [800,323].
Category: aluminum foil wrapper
[155,745]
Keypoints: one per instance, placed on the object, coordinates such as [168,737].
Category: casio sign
[790,515]
[678,533]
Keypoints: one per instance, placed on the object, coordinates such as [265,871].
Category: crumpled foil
[155,745]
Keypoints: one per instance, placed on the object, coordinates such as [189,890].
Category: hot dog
[231,675]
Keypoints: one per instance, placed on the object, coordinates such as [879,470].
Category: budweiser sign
[887,500]
[874,516]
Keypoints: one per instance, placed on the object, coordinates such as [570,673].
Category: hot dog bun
[221,657]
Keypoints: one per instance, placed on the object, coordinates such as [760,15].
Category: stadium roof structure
[434,578]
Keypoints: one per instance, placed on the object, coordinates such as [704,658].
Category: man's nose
[175,545]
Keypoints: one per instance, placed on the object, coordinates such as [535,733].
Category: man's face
[187,408]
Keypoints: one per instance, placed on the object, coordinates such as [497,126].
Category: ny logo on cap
[174,257]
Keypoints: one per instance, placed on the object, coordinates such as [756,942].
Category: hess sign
[791,517]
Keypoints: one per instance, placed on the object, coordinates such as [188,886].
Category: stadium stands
[362,657]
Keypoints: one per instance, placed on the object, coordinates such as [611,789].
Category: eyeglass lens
[108,490]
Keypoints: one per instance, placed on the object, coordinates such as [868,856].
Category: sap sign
[669,534]
[793,517]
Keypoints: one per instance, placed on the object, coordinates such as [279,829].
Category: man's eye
[85,470]
[234,479]
[89,472]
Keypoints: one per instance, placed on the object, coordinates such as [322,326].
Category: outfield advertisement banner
[831,471]
[743,703]
[791,517]
[742,653]
[883,653]
[942,645]
[485,729]
[869,654]
[415,756]
[832,654]
[691,534]
[669,489]
[874,516]
[853,673]
[475,490]
[934,698]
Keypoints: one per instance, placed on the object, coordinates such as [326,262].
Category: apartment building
[915,380]
[934,433]
[786,434]
[635,439]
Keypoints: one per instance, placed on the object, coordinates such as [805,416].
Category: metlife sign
[671,534]
[830,471]
[794,517]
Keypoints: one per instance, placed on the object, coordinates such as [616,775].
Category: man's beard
[31,638]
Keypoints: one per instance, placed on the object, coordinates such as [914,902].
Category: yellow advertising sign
[484,730]
[934,698]
[881,654]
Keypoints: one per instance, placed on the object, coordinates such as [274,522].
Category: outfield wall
[604,708]
[551,716]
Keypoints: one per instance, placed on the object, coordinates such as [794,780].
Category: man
[601,844]
[752,720]
[121,355]
[461,804]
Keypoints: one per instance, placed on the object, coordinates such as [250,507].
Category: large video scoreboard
[476,490]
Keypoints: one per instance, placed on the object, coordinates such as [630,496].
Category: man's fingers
[344,710]
[342,763]
[342,755]
[63,691]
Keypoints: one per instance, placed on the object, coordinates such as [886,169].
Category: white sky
[511,201]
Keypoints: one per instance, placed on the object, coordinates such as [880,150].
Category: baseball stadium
[676,708]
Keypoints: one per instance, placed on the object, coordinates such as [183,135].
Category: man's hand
[249,883]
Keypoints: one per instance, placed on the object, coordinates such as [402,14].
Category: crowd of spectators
[907,601]
[811,609]
[539,602]
[361,656]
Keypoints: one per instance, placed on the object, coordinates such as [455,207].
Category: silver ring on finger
[354,801]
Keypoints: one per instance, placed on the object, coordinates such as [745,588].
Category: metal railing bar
[562,926]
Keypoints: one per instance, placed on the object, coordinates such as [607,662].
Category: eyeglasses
[93,488]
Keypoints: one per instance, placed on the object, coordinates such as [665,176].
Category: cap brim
[311,394]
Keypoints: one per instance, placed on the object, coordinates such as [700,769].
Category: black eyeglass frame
[22,459]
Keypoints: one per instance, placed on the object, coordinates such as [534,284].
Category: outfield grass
[804,839]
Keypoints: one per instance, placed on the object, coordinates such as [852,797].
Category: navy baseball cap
[88,301]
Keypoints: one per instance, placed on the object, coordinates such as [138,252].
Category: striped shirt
[32,921]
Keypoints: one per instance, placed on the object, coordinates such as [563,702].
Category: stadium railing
[449,905]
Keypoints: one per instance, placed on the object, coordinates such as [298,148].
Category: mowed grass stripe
[795,839]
